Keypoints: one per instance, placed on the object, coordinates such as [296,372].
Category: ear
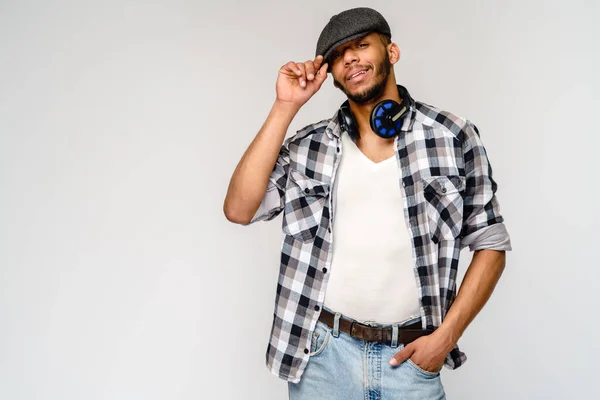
[393,53]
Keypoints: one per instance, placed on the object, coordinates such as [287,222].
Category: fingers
[322,74]
[401,356]
[302,76]
[290,69]
[305,72]
[310,70]
[313,67]
[318,61]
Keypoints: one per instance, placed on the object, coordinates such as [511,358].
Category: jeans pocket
[421,371]
[320,338]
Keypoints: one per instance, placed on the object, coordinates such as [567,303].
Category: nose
[350,56]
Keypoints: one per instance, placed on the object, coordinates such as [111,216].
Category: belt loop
[336,324]
[394,343]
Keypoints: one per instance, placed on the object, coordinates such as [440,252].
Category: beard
[376,90]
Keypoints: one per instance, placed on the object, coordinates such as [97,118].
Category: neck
[362,112]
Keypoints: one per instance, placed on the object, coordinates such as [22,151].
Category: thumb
[322,74]
[401,356]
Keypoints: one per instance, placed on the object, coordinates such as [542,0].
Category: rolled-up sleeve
[483,225]
[271,204]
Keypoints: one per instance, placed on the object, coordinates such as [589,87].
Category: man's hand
[298,82]
[428,352]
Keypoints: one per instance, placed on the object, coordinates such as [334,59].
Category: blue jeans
[344,368]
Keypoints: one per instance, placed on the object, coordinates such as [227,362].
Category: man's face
[361,68]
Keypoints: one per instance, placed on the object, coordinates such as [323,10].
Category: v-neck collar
[349,141]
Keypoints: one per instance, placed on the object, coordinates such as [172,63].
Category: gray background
[121,123]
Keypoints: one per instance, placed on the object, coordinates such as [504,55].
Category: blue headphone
[386,120]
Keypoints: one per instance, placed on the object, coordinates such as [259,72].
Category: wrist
[447,336]
[286,107]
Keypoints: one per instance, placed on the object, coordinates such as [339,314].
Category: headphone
[386,119]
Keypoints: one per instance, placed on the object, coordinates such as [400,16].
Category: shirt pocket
[305,199]
[444,205]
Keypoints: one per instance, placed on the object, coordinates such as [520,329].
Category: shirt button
[338,149]
[324,270]
[329,230]
[306,190]
[443,190]
[403,184]
[305,351]
[317,308]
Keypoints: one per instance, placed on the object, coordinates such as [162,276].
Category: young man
[374,221]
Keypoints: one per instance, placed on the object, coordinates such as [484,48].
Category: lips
[355,74]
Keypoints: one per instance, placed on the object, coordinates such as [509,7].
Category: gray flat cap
[347,26]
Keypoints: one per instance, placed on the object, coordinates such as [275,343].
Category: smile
[357,76]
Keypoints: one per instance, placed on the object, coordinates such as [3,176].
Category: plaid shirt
[449,198]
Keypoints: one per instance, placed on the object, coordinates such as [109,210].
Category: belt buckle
[378,333]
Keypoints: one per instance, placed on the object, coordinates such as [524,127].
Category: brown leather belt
[406,334]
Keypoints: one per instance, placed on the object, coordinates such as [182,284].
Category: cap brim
[339,43]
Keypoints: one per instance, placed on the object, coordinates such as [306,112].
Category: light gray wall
[122,121]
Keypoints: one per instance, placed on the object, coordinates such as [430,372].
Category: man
[366,303]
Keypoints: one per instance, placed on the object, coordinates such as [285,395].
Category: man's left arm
[484,232]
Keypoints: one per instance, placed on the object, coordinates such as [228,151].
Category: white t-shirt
[372,275]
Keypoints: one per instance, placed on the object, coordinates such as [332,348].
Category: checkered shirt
[448,193]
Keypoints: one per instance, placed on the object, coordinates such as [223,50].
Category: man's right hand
[298,82]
